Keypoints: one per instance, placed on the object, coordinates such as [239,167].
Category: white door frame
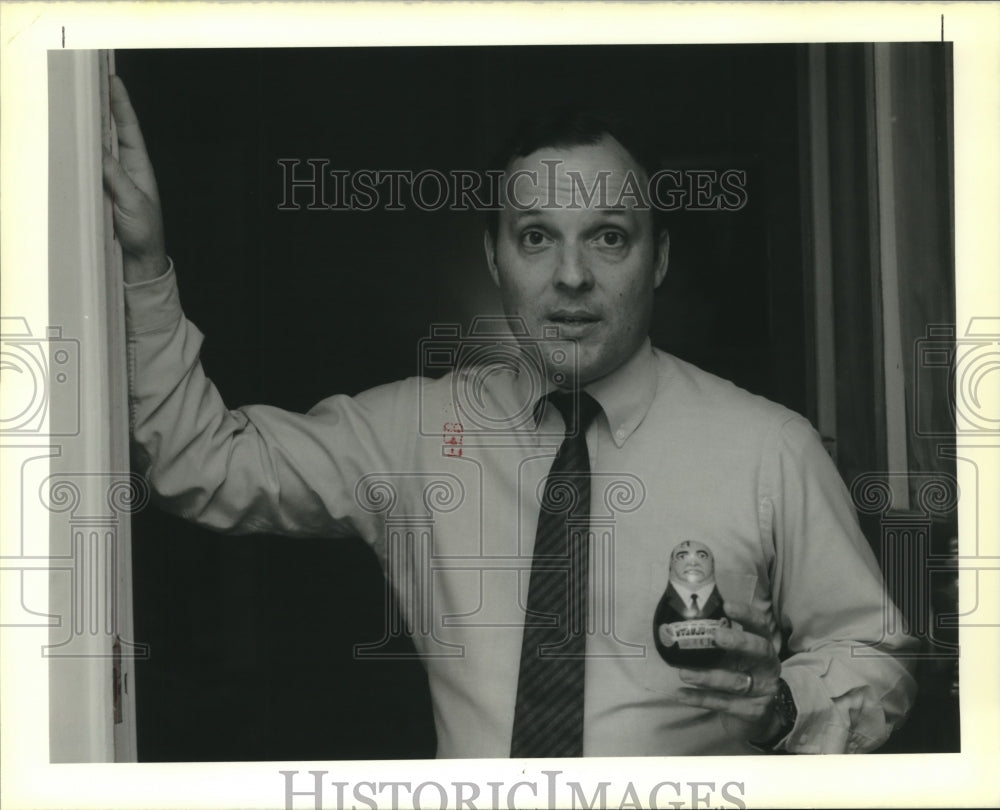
[90,491]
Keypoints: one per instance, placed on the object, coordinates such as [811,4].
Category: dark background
[251,639]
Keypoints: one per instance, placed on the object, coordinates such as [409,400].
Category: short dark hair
[568,126]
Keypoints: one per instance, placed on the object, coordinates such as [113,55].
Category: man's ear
[489,245]
[662,257]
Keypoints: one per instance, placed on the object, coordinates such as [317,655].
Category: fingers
[131,146]
[751,619]
[743,688]
[744,644]
[751,709]
[732,681]
[723,680]
[137,222]
[116,179]
[751,667]
[130,201]
[739,695]
[126,120]
[749,718]
[130,183]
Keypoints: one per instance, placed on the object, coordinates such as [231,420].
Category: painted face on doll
[692,564]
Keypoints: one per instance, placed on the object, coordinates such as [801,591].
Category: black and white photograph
[534,404]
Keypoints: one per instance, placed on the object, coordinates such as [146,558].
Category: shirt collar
[625,395]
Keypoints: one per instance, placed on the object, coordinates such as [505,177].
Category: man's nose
[572,271]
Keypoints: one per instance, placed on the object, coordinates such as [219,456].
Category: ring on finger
[746,690]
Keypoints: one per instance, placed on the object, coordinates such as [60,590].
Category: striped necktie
[548,715]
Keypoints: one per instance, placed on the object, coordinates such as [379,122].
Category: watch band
[784,706]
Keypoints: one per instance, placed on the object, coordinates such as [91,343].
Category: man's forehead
[601,175]
[691,545]
[608,211]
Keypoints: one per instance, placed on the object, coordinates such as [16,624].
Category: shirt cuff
[816,730]
[152,304]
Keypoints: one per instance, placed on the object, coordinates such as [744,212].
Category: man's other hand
[742,689]
[131,184]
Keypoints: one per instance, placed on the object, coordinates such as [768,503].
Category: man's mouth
[573,317]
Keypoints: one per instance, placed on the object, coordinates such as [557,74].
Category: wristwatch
[784,706]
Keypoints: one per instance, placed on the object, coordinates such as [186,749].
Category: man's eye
[611,239]
[533,238]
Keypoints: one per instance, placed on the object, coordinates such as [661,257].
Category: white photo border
[30,29]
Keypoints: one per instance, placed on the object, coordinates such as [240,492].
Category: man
[527,533]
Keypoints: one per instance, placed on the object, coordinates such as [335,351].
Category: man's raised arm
[256,468]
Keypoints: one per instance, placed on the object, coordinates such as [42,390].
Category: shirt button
[620,434]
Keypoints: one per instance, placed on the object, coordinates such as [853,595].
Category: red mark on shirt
[452,437]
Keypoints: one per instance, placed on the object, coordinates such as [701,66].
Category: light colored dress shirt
[443,479]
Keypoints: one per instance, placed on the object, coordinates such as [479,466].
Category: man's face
[586,267]
[692,564]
